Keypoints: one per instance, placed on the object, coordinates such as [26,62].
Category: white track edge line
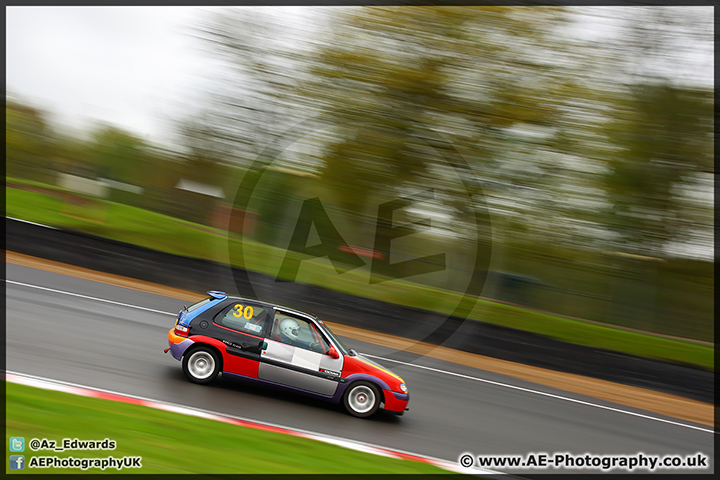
[88,297]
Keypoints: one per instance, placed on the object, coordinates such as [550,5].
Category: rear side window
[244,317]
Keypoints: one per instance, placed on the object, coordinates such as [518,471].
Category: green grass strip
[174,443]
[168,234]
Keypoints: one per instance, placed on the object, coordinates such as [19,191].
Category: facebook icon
[17,462]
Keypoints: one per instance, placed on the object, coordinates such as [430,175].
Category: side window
[244,317]
[298,332]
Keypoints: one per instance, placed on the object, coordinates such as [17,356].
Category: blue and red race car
[280,346]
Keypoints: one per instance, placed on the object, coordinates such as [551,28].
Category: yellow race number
[240,311]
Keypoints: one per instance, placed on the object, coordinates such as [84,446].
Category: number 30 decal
[238,311]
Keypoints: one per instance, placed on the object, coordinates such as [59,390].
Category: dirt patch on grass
[663,403]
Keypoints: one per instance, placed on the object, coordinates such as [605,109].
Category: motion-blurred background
[573,147]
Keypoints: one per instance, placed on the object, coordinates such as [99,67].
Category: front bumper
[396,402]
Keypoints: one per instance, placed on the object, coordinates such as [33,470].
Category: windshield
[343,349]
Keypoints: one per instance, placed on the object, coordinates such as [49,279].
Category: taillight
[181,330]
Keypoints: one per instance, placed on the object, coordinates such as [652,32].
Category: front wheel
[362,399]
[201,365]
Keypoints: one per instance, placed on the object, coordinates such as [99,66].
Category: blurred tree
[404,93]
[659,127]
[408,97]
[424,92]
[204,164]
[249,106]
[119,155]
[71,153]
[28,141]
[204,159]
[636,65]
[661,134]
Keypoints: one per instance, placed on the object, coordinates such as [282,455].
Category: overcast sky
[126,66]
[133,67]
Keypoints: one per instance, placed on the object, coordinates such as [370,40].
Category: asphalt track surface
[453,408]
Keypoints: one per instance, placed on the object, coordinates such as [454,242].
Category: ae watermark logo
[344,256]
[393,243]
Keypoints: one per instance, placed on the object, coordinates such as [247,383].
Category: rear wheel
[362,399]
[201,365]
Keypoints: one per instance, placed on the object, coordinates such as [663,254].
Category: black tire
[362,399]
[201,365]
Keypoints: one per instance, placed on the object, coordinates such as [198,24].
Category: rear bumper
[178,344]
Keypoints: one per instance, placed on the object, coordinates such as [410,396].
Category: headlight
[403,387]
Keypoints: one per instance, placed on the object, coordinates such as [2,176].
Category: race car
[271,344]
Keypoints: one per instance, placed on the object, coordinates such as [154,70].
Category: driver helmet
[290,329]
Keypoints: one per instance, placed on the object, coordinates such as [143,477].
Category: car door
[300,360]
[241,326]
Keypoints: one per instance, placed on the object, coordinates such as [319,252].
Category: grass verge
[173,443]
[161,232]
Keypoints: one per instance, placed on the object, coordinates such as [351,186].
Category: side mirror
[333,353]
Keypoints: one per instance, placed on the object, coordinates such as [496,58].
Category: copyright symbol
[466,460]
[34,444]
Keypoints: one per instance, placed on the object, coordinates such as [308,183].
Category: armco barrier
[193,274]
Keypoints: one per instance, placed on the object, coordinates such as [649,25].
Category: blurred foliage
[120,156]
[246,107]
[407,97]
[579,152]
[581,148]
[28,144]
[398,73]
[530,108]
[660,135]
